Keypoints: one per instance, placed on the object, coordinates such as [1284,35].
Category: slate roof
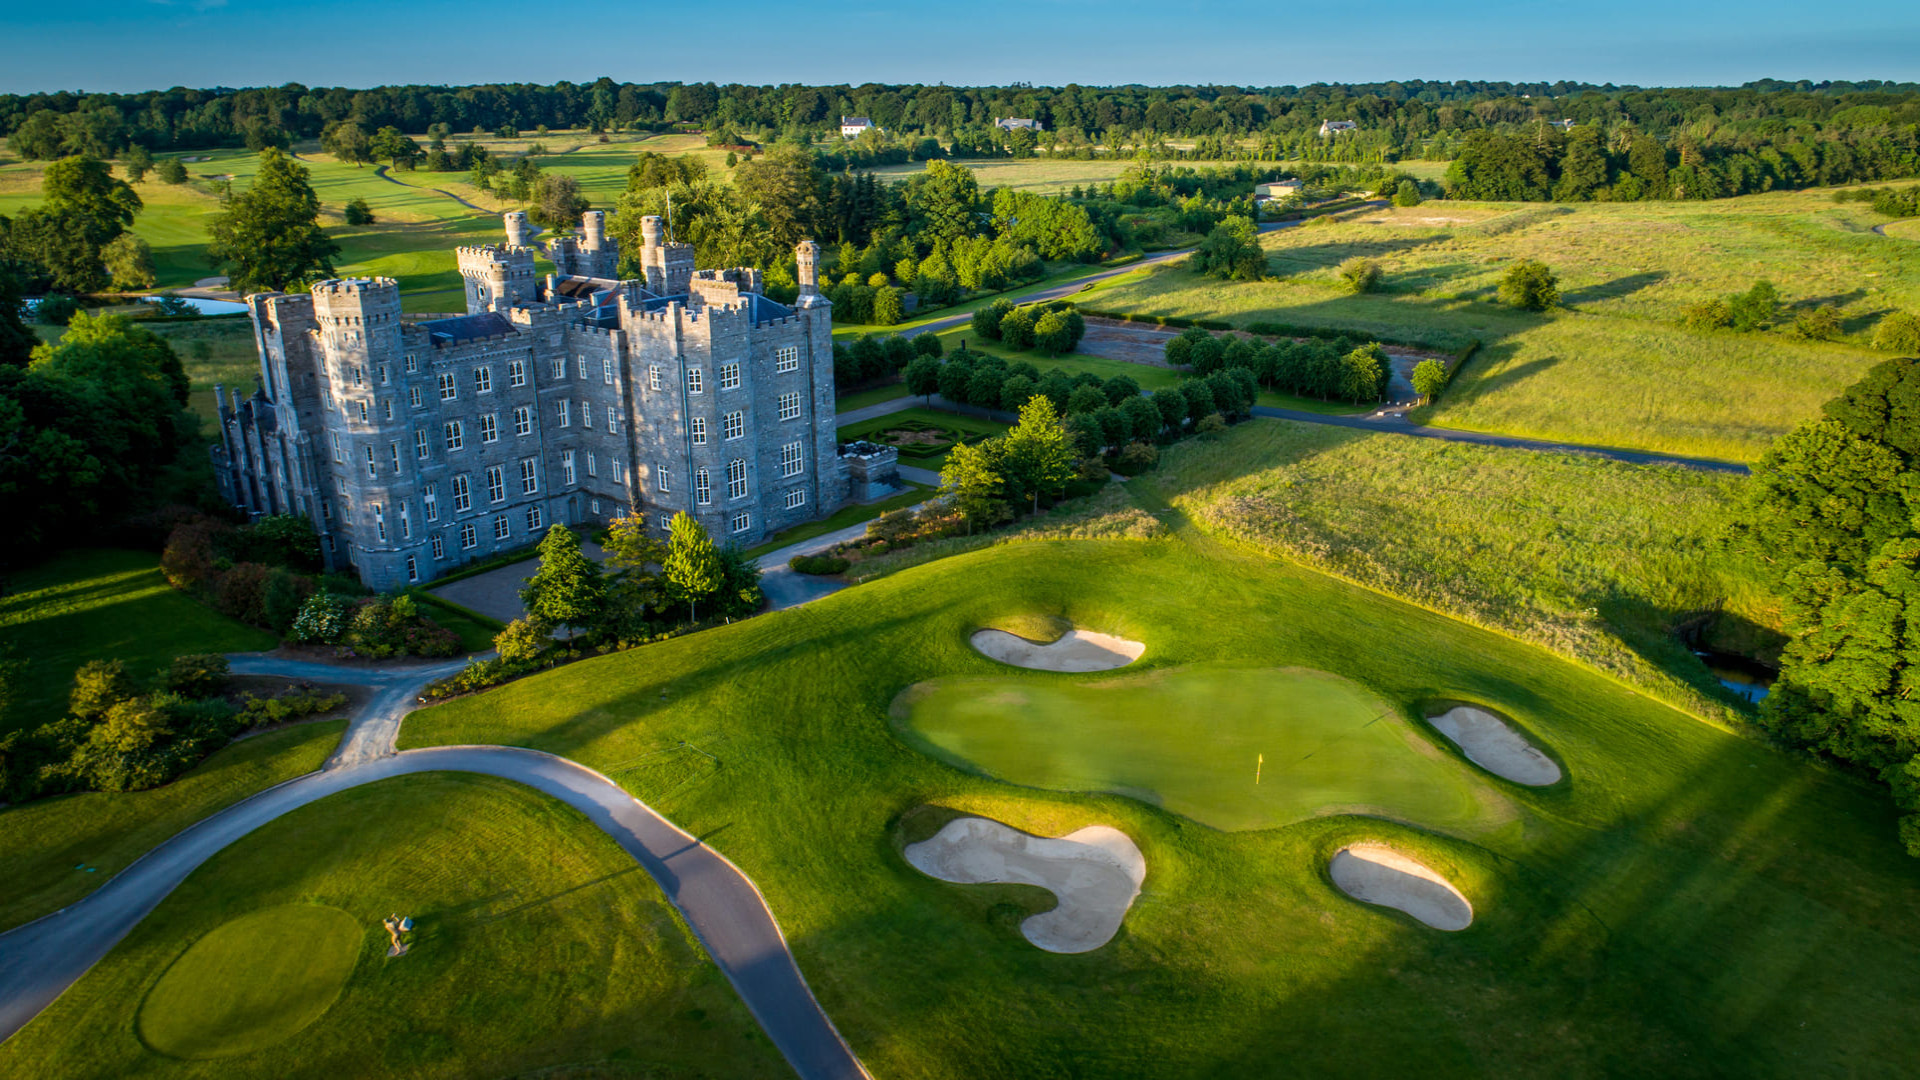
[467,328]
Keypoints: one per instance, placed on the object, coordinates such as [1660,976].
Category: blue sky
[142,44]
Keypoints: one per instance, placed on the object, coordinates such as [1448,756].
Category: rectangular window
[653,376]
[593,506]
[406,522]
[414,399]
[413,569]
[736,479]
[456,435]
[665,476]
[502,528]
[533,519]
[694,384]
[462,495]
[370,468]
[734,424]
[619,472]
[522,420]
[386,407]
[357,375]
[383,375]
[566,412]
[489,428]
[742,522]
[697,427]
[496,484]
[483,380]
[431,500]
[796,499]
[613,419]
[790,459]
[339,453]
[439,546]
[586,415]
[413,363]
[420,444]
[591,471]
[516,373]
[363,411]
[379,523]
[582,365]
[789,406]
[529,476]
[786,358]
[729,376]
[448,391]
[606,370]
[702,487]
[326,400]
[467,538]
[566,467]
[559,367]
[393,451]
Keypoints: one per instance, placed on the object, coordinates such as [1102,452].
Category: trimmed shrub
[818,564]
[1136,458]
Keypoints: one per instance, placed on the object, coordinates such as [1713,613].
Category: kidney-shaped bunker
[1492,743]
[1094,872]
[1075,650]
[1376,874]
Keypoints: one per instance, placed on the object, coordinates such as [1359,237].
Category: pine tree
[566,590]
[693,563]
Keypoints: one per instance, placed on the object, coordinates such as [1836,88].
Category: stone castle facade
[573,399]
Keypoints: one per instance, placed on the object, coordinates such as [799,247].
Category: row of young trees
[1343,370]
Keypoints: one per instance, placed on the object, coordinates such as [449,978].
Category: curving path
[40,960]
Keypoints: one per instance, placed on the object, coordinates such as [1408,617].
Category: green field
[1689,903]
[537,942]
[1592,558]
[102,604]
[1192,740]
[1613,367]
[58,850]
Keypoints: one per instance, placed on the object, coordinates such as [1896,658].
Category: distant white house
[1563,125]
[852,126]
[1012,122]
[1329,127]
[1279,189]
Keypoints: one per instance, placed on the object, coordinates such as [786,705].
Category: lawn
[1197,740]
[937,424]
[1612,367]
[1595,559]
[1687,903]
[60,849]
[537,942]
[860,399]
[101,604]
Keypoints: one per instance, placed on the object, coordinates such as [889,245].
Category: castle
[573,399]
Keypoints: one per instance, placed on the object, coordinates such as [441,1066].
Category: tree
[347,141]
[358,212]
[171,171]
[1756,308]
[789,186]
[1051,334]
[986,321]
[17,340]
[269,237]
[1232,251]
[138,162]
[942,203]
[923,377]
[888,306]
[1360,274]
[129,262]
[1898,331]
[84,209]
[557,201]
[927,344]
[971,480]
[1036,457]
[1429,378]
[692,567]
[1406,194]
[1529,286]
[566,590]
[390,145]
[1016,329]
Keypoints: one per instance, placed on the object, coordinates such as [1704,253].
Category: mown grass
[538,943]
[1613,367]
[101,604]
[1688,903]
[1595,559]
[60,849]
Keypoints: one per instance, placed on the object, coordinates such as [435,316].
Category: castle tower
[599,253]
[668,266]
[806,256]
[498,278]
[517,231]
[593,230]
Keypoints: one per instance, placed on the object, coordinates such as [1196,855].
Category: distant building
[852,126]
[1011,122]
[1279,189]
[1329,127]
[1563,125]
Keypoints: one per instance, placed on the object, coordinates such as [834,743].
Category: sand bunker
[1380,875]
[1076,650]
[1094,872]
[1491,743]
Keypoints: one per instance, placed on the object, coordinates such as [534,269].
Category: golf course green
[252,982]
[1234,748]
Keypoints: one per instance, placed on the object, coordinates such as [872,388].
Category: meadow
[1613,366]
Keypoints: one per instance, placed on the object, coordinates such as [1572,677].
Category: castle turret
[668,266]
[593,230]
[806,257]
[517,231]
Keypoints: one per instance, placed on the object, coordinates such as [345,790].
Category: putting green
[1190,740]
[252,982]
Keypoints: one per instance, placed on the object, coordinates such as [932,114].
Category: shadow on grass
[1613,290]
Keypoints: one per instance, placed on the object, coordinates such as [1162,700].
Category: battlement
[352,286]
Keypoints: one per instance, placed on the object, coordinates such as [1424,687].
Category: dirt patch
[1134,343]
[1075,650]
[1377,874]
[914,437]
[1094,873]
[1493,744]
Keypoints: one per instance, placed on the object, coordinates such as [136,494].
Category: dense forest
[1510,141]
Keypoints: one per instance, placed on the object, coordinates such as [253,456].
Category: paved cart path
[40,960]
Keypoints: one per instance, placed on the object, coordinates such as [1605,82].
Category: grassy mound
[253,982]
[1189,740]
